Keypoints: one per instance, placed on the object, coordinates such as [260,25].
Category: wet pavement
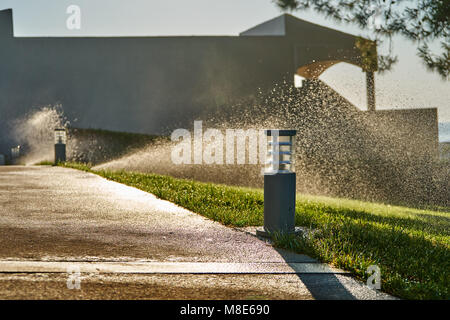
[127,244]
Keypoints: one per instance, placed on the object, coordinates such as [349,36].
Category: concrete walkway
[127,244]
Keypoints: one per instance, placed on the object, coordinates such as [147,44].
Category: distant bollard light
[15,152]
[279,184]
[60,145]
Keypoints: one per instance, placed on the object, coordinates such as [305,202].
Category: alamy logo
[74,279]
[207,147]
[232,146]
[73,22]
[374,280]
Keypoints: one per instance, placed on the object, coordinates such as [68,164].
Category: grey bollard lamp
[279,184]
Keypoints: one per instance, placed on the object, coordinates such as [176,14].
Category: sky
[408,85]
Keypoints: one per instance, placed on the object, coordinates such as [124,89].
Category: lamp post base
[60,153]
[261,232]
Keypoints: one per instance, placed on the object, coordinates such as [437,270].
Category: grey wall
[133,84]
[154,84]
[415,133]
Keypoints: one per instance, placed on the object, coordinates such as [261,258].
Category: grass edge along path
[410,246]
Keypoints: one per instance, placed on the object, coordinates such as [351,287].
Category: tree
[421,21]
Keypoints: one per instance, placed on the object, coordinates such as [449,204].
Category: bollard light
[279,183]
[60,145]
[15,152]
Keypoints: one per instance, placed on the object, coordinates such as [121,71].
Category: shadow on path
[322,286]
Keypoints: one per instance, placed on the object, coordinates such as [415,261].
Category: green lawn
[410,246]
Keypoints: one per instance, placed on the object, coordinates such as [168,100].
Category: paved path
[128,244]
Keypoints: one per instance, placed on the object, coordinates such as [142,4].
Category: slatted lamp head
[60,136]
[280,151]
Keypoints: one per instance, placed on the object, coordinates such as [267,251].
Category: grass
[411,246]
[45,163]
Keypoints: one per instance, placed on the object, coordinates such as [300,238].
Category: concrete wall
[148,84]
[413,133]
[134,84]
[154,84]
[444,151]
